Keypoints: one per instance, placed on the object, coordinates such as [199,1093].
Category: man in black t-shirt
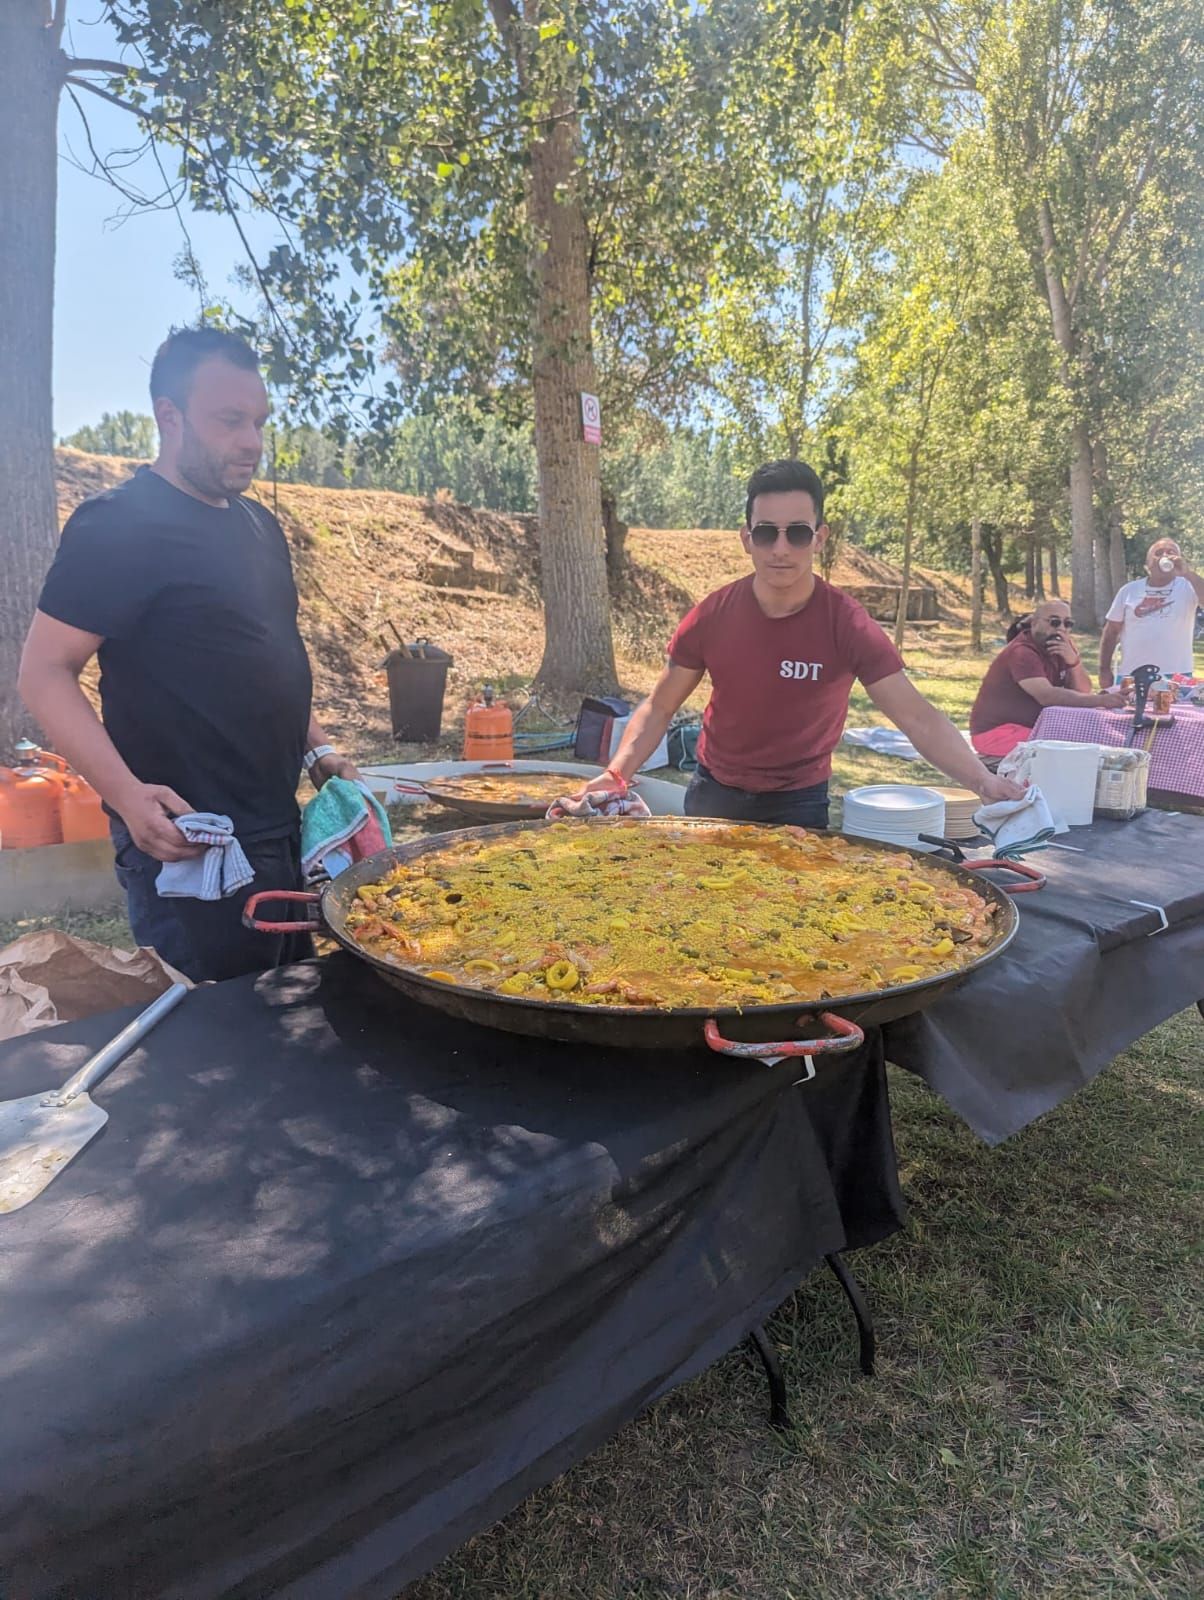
[184,591]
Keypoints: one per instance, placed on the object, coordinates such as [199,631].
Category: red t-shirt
[1001,699]
[779,685]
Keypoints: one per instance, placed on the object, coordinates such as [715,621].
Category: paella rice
[509,788]
[629,914]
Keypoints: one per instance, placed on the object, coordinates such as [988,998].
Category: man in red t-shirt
[782,648]
[1039,667]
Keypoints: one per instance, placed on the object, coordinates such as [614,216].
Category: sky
[116,295]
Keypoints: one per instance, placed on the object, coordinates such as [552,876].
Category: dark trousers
[801,808]
[205,939]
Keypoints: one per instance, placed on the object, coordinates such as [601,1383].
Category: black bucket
[416,689]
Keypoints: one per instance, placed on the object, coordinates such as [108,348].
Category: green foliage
[121,433]
[809,227]
[478,459]
[688,479]
[680,478]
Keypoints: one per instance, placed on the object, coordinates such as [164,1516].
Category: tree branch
[220,178]
[115,69]
[103,94]
[58,21]
[504,15]
[959,74]
[1135,192]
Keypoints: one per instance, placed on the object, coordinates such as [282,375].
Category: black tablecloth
[342,1280]
[1089,972]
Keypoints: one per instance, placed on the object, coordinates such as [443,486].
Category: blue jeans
[800,808]
[205,939]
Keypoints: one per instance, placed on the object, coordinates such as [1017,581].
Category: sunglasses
[1060,622]
[765,534]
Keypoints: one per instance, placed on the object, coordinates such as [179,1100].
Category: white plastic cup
[1065,773]
[1166,563]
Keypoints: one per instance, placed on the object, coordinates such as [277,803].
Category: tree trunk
[1038,566]
[1113,541]
[578,652]
[29,92]
[1117,564]
[1102,593]
[1030,581]
[1082,530]
[992,543]
[913,475]
[1082,516]
[616,531]
[1054,587]
[976,583]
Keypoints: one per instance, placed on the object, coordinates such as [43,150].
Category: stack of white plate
[960,806]
[896,813]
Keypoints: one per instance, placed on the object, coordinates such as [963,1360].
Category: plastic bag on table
[49,977]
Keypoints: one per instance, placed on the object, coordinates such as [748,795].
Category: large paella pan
[475,899]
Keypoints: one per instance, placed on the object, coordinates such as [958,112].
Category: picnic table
[1176,751]
[1112,946]
[344,1278]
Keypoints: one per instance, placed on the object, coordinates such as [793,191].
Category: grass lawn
[1037,1422]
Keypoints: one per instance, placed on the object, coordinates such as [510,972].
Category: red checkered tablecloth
[1176,752]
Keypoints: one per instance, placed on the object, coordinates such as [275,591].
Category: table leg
[779,1416]
[861,1310]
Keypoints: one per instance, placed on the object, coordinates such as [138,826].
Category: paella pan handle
[295,897]
[1035,879]
[948,849]
[400,786]
[845,1036]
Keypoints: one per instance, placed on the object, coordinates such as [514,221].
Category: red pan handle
[402,787]
[294,897]
[1036,880]
[848,1036]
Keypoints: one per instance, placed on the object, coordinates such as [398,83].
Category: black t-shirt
[205,684]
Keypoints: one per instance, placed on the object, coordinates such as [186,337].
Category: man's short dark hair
[182,352]
[780,477]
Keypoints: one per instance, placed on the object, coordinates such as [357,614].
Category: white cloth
[223,869]
[1017,826]
[598,803]
[1158,625]
[883,742]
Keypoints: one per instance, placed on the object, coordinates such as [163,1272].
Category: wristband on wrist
[618,777]
[312,757]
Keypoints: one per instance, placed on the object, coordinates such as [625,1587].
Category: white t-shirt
[1158,624]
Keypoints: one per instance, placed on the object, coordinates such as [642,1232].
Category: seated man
[1040,667]
[782,649]
[1153,619]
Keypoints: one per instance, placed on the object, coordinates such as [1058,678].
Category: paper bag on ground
[50,977]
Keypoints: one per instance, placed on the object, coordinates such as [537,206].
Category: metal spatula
[42,1132]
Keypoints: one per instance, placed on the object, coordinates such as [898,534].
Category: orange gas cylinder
[30,808]
[82,812]
[488,730]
